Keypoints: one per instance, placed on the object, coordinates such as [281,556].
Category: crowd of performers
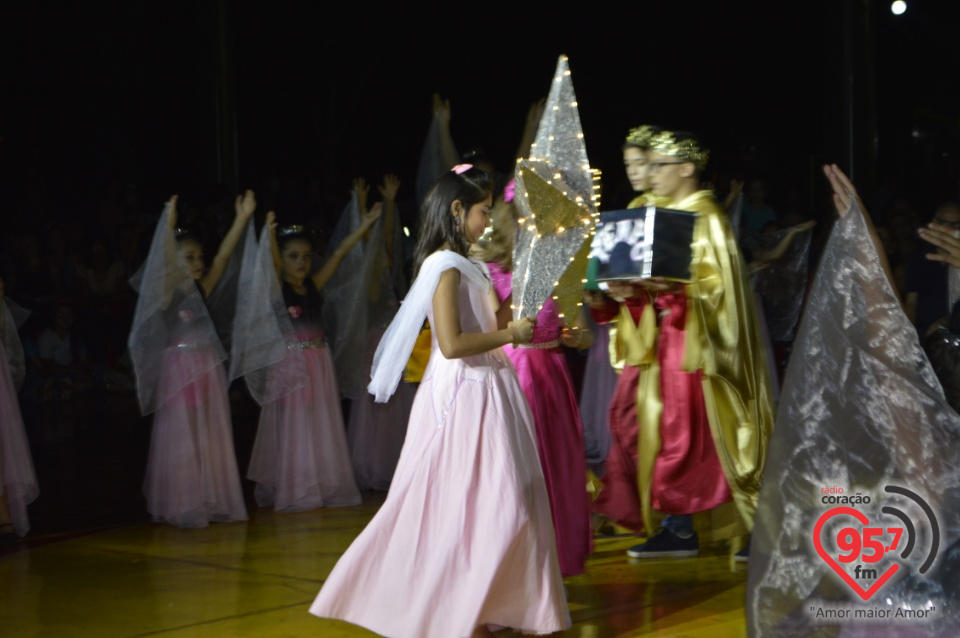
[499,475]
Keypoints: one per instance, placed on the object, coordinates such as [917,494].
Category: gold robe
[722,338]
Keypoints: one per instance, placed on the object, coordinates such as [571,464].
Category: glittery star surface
[557,195]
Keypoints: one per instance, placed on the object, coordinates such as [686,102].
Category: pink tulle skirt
[465,536]
[300,459]
[546,382]
[192,477]
[18,482]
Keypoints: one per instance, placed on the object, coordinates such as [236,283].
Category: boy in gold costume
[704,405]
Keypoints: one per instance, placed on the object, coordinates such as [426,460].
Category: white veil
[861,409]
[394,350]
[262,329]
[341,289]
[170,313]
[438,156]
[362,295]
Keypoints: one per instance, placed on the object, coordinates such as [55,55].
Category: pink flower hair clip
[295,311]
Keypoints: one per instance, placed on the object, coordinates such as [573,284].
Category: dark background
[296,98]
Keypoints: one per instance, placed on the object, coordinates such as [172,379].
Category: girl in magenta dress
[192,477]
[464,539]
[545,379]
[546,382]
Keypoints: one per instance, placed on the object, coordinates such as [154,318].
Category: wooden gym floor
[259,578]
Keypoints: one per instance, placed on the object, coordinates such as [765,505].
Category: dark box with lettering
[641,243]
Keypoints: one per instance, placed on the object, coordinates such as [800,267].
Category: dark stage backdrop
[297,98]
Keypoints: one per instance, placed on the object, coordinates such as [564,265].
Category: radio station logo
[866,553]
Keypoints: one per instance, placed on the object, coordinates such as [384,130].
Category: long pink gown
[192,477]
[300,459]
[545,379]
[464,536]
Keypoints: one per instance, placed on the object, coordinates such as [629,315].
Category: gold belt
[303,344]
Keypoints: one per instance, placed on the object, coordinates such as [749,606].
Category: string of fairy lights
[556,225]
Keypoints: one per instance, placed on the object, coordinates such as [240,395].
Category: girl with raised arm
[369,298]
[300,459]
[465,529]
[192,477]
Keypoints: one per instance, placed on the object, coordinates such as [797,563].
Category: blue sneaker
[666,544]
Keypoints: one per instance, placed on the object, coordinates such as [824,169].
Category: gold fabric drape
[722,338]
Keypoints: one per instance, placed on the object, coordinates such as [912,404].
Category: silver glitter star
[557,195]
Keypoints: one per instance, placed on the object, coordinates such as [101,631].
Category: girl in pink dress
[18,483]
[546,382]
[192,477]
[300,459]
[464,539]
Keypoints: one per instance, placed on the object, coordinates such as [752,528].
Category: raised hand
[361,190]
[534,114]
[272,222]
[172,217]
[736,187]
[245,204]
[947,239]
[844,197]
[388,189]
[441,109]
[370,218]
[844,193]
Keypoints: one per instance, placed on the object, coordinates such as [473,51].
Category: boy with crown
[704,406]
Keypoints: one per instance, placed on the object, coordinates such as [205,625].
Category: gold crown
[687,150]
[641,136]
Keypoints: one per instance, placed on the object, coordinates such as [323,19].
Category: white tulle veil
[861,410]
[438,156]
[362,295]
[394,350]
[170,314]
[262,329]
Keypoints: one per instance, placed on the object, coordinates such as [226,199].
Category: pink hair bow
[508,191]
